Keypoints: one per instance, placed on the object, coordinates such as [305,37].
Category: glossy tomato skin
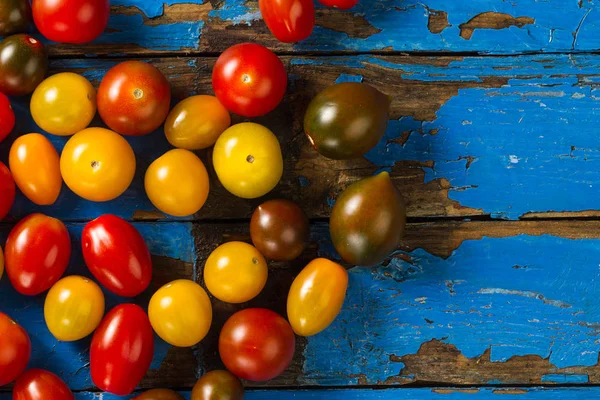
[134,98]
[71,21]
[7,117]
[341,4]
[289,20]
[23,64]
[249,79]
[37,253]
[256,344]
[159,394]
[39,384]
[218,385]
[121,350]
[15,16]
[15,350]
[7,190]
[117,255]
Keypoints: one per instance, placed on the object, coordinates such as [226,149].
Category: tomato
[341,4]
[15,16]
[134,98]
[249,79]
[7,190]
[289,20]
[71,21]
[196,122]
[97,164]
[218,385]
[159,394]
[180,313]
[248,161]
[177,183]
[256,344]
[39,384]
[23,64]
[7,117]
[121,350]
[117,255]
[35,166]
[235,272]
[37,253]
[15,350]
[73,308]
[64,104]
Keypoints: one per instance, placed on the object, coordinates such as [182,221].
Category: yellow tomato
[196,122]
[64,104]
[1,263]
[177,183]
[74,308]
[247,159]
[316,296]
[180,313]
[97,164]
[35,167]
[235,272]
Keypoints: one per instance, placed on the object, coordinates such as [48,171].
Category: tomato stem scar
[250,159]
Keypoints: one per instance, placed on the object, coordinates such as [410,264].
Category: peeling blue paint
[304,182]
[349,78]
[562,378]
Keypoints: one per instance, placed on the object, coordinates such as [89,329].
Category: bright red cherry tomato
[117,255]
[121,350]
[249,79]
[341,4]
[289,20]
[37,253]
[71,21]
[7,190]
[256,344]
[39,384]
[15,349]
[7,117]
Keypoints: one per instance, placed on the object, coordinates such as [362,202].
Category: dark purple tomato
[15,16]
[218,385]
[23,64]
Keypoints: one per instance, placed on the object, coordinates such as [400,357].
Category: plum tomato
[177,183]
[289,20]
[249,79]
[247,159]
[64,104]
[257,344]
[235,272]
[218,385]
[15,16]
[23,64]
[159,394]
[117,255]
[15,350]
[7,190]
[97,164]
[196,122]
[71,21]
[134,98]
[39,384]
[341,4]
[35,166]
[180,313]
[37,253]
[7,117]
[122,349]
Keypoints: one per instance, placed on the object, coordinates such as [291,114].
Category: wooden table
[493,143]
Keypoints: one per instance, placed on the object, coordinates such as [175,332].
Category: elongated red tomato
[117,255]
[7,190]
[121,350]
[15,349]
[39,384]
[7,117]
[289,20]
[341,4]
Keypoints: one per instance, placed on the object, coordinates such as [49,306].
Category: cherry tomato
[7,117]
[196,122]
[73,308]
[15,16]
[64,104]
[97,164]
[35,166]
[159,394]
[341,4]
[7,190]
[249,79]
[218,385]
[117,255]
[15,349]
[248,161]
[121,350]
[37,253]
[39,384]
[71,21]
[180,313]
[177,183]
[256,344]
[23,64]
[134,98]
[289,20]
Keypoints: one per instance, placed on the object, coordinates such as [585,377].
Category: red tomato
[7,190]
[7,117]
[341,4]
[15,349]
[249,79]
[117,255]
[134,98]
[289,20]
[256,344]
[37,253]
[121,350]
[39,384]
[71,21]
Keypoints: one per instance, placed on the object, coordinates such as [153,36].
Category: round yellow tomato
[235,272]
[177,183]
[180,313]
[64,104]
[74,308]
[316,296]
[196,122]
[35,167]
[1,262]
[247,159]
[97,164]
